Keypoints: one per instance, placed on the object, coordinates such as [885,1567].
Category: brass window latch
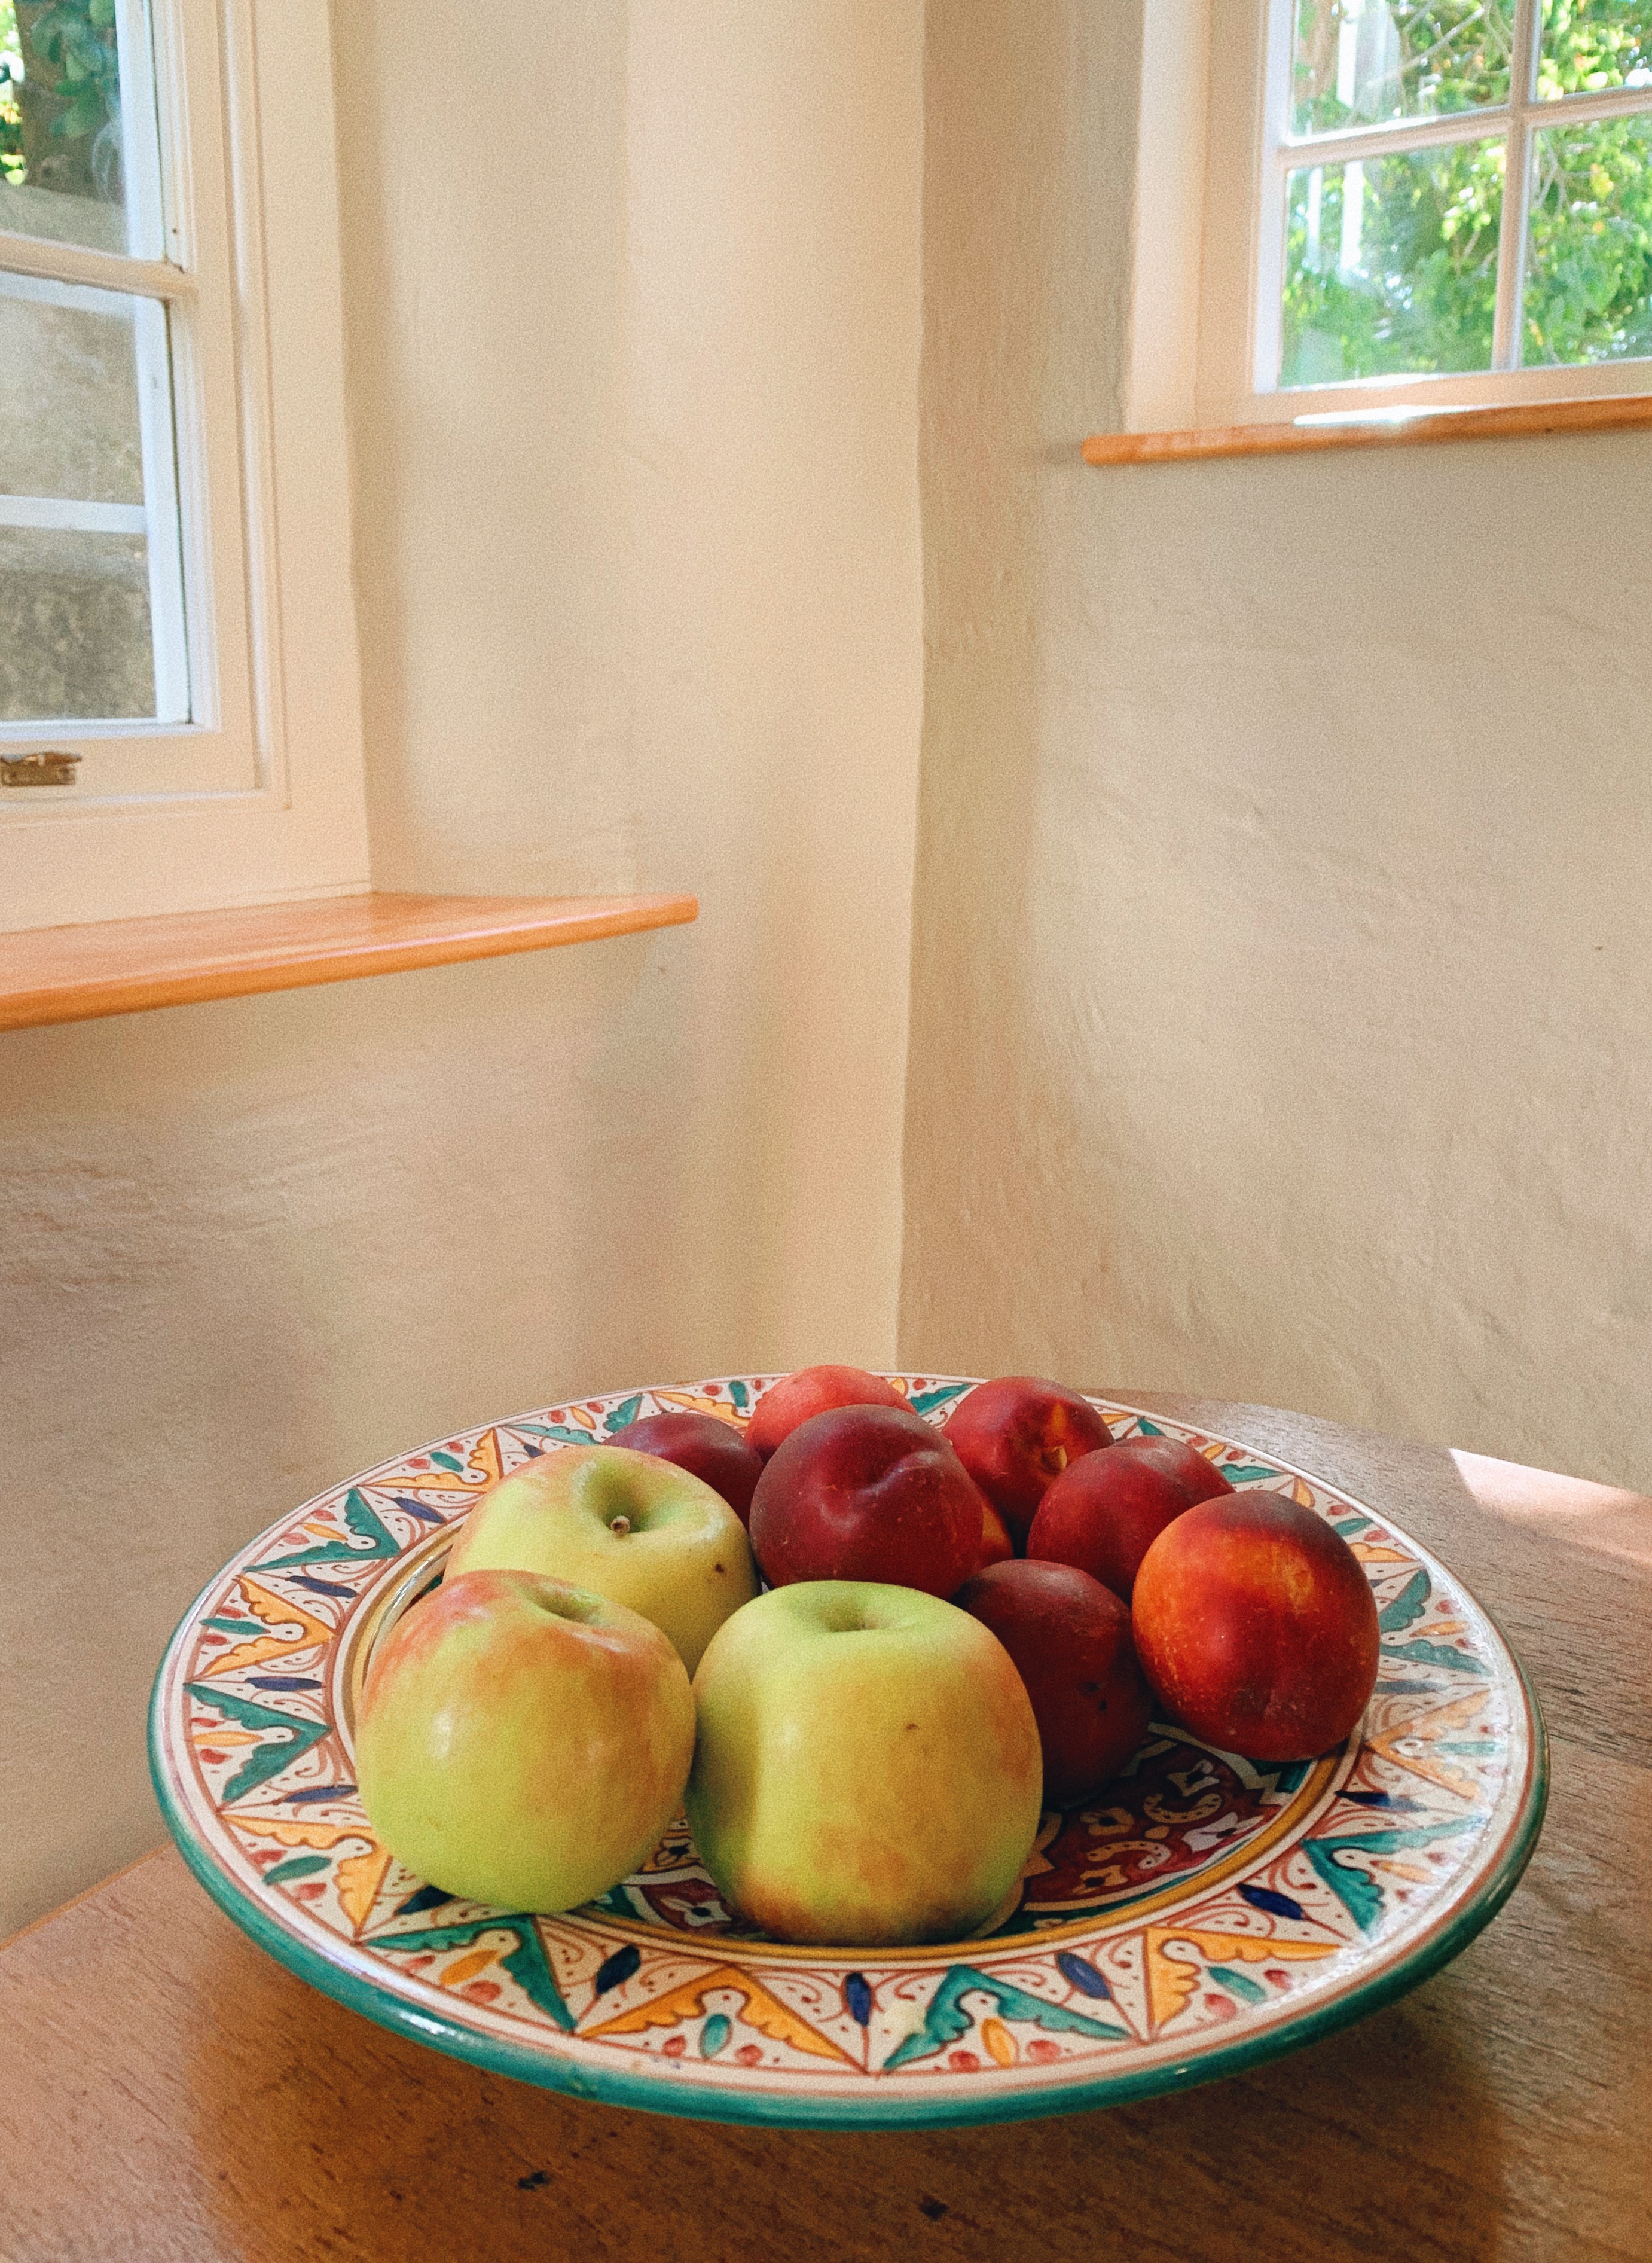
[38,770]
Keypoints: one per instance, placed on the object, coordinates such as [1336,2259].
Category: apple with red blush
[867,1493]
[1016,1435]
[1104,1513]
[523,1741]
[712,1449]
[1070,1640]
[1255,1624]
[810,1390]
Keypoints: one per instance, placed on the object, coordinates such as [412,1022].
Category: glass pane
[1591,44]
[1360,61]
[1391,265]
[68,394]
[79,151]
[1589,264]
[76,637]
[91,612]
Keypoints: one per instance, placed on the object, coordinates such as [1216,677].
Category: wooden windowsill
[1612,412]
[126,966]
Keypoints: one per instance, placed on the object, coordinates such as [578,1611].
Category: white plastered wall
[632,323]
[1280,1004]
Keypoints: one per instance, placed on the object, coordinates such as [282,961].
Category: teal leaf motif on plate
[265,1761]
[1360,1893]
[1407,1607]
[1433,1654]
[946,2019]
[301,1866]
[363,1523]
[1244,1473]
[625,1414]
[557,1433]
[1238,1983]
[527,1963]
[926,1402]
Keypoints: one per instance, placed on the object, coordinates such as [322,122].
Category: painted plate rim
[1476,1902]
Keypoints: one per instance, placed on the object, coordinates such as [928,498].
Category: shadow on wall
[255,1245]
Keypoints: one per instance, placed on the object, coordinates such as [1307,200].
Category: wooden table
[167,2091]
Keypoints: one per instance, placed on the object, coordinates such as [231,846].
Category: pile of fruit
[961,1627]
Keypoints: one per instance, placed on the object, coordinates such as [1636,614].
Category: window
[1406,204]
[173,494]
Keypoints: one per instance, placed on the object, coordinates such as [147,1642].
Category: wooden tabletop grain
[168,2094]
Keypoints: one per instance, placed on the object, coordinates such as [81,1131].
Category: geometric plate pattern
[1201,1914]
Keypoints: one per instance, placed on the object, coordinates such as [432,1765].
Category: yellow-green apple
[639,1530]
[867,1492]
[809,1390]
[1255,1623]
[1070,1638]
[866,1768]
[1105,1512]
[522,1741]
[713,1449]
[1017,1434]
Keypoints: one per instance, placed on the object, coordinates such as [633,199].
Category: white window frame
[259,796]
[1213,153]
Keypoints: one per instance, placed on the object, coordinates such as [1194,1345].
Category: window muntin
[1391,243]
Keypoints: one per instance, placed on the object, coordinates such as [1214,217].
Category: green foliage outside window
[1420,295]
[59,96]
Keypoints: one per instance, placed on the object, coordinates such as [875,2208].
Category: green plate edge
[653,2093]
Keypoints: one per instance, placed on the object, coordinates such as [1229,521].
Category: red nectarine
[1018,1433]
[867,1492]
[1070,1638]
[704,1444]
[1105,1512]
[809,1390]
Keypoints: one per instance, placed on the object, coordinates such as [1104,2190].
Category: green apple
[642,1531]
[866,1769]
[523,1742]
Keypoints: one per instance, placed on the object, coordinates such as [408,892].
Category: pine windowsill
[126,967]
[1616,412]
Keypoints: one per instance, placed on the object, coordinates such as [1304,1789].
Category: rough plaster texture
[1280,1004]
[633,350]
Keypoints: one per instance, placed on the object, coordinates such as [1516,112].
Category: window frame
[1215,101]
[260,796]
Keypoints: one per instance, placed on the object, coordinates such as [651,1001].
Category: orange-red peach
[1255,1624]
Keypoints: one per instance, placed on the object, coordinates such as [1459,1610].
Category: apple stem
[621,1525]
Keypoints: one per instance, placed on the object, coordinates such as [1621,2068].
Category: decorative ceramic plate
[1201,1914]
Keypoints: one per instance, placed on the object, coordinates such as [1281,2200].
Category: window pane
[92,617]
[1591,44]
[1391,266]
[1360,61]
[79,152]
[76,639]
[1589,268]
[68,394]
